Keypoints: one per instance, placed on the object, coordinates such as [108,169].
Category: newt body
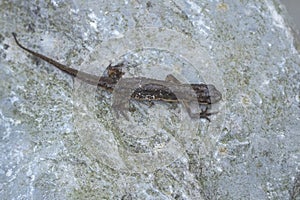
[141,88]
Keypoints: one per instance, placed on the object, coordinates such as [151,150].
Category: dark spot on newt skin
[141,88]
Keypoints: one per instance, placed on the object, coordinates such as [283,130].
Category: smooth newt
[141,88]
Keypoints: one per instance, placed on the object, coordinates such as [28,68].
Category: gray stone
[61,140]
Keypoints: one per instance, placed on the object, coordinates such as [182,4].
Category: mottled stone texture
[60,138]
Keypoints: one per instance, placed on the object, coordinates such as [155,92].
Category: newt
[141,88]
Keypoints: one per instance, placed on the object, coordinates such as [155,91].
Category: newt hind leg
[114,71]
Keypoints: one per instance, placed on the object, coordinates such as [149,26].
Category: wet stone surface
[60,138]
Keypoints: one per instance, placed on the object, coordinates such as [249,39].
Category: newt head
[206,94]
[215,95]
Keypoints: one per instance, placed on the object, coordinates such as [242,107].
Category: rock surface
[61,140]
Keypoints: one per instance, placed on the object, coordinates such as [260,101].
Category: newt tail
[101,81]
